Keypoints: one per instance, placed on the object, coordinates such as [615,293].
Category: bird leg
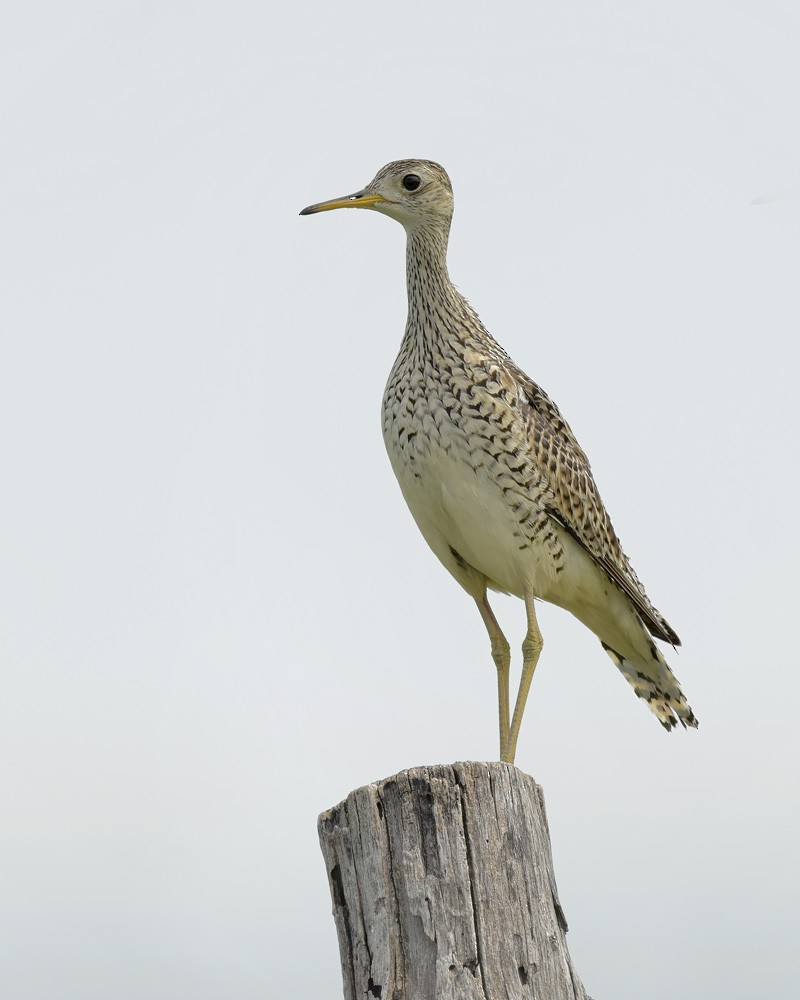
[531,648]
[501,654]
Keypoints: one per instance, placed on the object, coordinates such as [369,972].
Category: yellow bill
[361,199]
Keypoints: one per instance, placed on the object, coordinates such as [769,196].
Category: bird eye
[411,182]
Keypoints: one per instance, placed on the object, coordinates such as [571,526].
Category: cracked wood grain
[443,888]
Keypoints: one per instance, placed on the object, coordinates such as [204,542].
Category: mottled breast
[455,434]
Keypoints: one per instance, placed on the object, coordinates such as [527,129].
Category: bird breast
[457,443]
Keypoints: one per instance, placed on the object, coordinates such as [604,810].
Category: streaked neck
[430,291]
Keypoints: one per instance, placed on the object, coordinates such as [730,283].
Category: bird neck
[431,294]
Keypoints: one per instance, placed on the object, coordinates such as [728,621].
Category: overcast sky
[218,616]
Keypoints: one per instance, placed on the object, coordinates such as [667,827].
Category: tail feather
[654,682]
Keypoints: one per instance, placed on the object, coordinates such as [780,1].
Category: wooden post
[443,888]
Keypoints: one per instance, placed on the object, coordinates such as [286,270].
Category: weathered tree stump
[443,887]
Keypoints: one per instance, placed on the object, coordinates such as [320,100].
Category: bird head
[417,193]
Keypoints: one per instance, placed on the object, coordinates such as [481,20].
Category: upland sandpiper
[492,473]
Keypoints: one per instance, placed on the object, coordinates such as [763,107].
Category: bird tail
[654,682]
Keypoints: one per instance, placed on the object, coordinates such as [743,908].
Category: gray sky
[217,615]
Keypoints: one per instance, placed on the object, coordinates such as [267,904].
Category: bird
[492,473]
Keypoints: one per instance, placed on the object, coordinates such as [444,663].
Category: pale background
[217,615]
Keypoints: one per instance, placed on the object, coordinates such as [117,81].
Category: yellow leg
[501,654]
[531,648]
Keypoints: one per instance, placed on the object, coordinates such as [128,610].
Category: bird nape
[492,473]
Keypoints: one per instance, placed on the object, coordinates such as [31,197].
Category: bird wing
[577,506]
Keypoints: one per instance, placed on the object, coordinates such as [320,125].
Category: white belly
[458,508]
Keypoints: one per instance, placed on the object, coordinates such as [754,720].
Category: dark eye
[411,182]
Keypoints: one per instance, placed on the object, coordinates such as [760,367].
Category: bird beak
[361,199]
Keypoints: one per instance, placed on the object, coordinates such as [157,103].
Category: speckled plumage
[492,473]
